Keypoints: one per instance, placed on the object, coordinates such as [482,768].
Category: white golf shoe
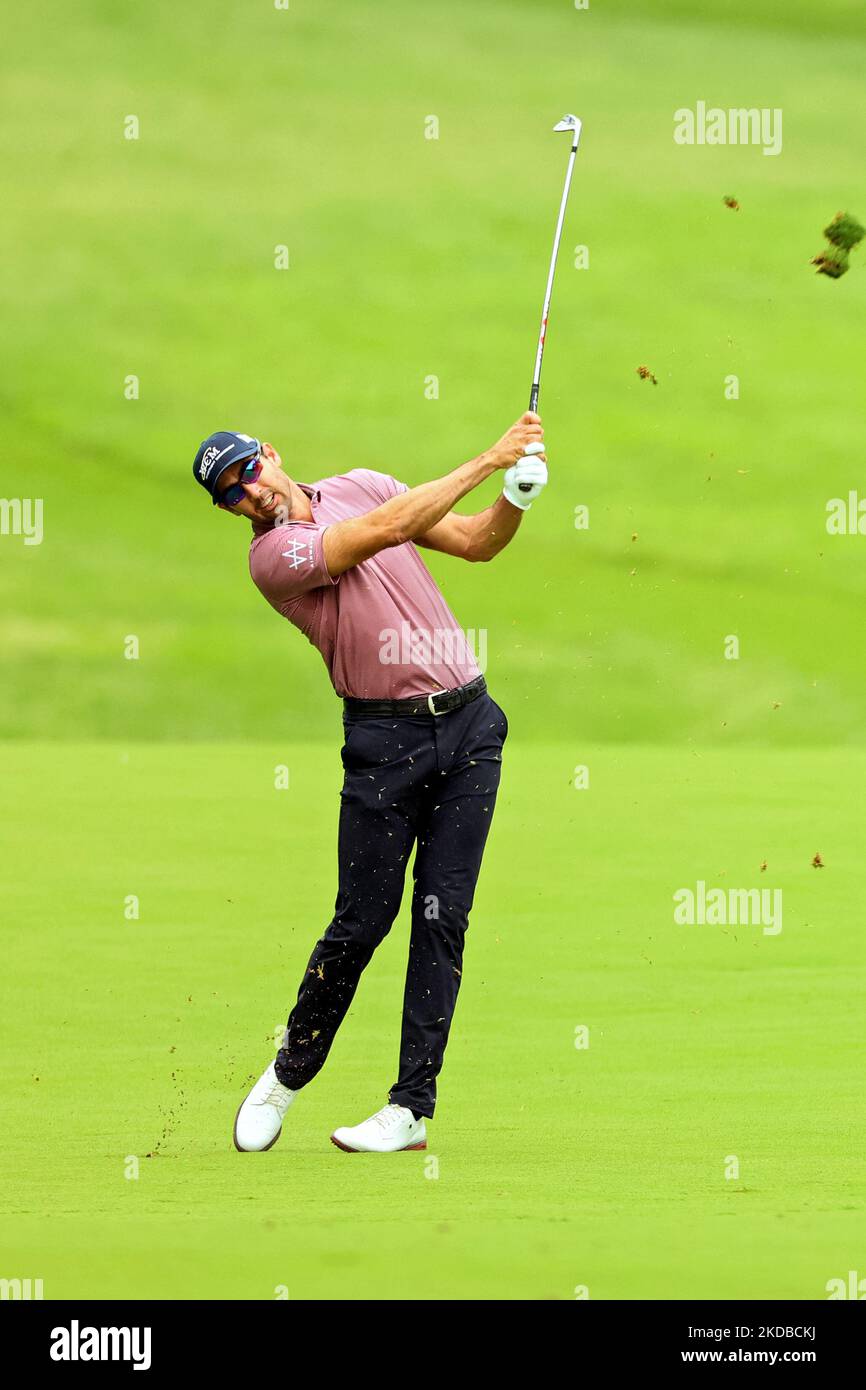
[390,1130]
[259,1120]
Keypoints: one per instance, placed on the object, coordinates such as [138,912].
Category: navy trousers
[427,782]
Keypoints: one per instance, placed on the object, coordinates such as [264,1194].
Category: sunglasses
[235,492]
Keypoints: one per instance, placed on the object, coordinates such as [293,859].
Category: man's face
[266,499]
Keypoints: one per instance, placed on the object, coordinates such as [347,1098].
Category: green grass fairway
[557,1167]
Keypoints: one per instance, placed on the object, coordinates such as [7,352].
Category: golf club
[571,123]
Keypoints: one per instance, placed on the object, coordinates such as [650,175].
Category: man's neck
[300,503]
[299,509]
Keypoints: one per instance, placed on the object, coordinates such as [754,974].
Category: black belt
[440,702]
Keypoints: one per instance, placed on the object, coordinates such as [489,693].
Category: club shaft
[536,376]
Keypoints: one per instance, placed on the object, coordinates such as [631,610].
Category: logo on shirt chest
[299,553]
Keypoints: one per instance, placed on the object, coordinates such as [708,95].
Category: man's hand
[530,469]
[513,444]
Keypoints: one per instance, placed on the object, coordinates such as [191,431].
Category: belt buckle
[430,698]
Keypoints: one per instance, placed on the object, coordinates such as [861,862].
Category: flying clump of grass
[843,234]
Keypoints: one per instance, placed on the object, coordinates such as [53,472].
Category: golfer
[422,739]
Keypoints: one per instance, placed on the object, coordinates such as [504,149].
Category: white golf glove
[527,469]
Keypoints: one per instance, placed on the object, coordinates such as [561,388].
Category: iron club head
[571,123]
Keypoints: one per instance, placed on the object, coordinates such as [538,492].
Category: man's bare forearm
[414,512]
[493,528]
[417,511]
[403,517]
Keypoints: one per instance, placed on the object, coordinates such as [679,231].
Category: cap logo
[208,459]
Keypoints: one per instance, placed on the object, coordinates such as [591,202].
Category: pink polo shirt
[383,627]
